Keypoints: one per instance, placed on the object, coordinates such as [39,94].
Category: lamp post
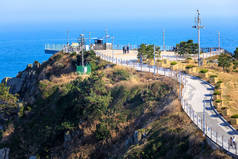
[82,48]
[154,59]
[198,27]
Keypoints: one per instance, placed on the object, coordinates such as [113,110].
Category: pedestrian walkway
[196,101]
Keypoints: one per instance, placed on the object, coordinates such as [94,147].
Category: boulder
[32,157]
[15,85]
[4,153]
[4,80]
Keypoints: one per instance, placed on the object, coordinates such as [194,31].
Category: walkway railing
[207,129]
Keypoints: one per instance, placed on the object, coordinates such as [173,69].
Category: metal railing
[54,47]
[220,140]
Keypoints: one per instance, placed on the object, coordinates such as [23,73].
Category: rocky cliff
[26,83]
[114,113]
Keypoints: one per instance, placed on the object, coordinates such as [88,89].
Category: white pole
[154,59]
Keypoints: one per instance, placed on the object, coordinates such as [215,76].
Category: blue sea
[21,44]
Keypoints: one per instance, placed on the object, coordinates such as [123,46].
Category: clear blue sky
[28,11]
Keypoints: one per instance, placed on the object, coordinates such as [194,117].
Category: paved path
[196,101]
[170,55]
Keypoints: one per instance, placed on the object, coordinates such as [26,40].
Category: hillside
[115,112]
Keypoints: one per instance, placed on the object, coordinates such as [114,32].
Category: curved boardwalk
[196,101]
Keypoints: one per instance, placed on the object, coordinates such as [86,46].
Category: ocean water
[24,44]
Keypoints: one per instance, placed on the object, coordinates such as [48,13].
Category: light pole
[164,40]
[112,46]
[154,59]
[82,48]
[219,41]
[204,106]
[198,27]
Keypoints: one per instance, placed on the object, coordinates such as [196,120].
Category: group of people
[125,49]
[232,142]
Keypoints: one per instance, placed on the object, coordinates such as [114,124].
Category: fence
[199,120]
[56,47]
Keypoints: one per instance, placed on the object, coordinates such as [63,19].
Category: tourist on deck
[127,49]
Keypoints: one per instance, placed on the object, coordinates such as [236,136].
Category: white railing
[219,139]
[55,47]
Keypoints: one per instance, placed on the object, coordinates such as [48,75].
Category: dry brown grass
[65,78]
[230,81]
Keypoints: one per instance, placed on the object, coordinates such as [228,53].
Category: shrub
[213,76]
[159,60]
[189,58]
[217,86]
[67,126]
[217,93]
[173,63]
[219,82]
[223,108]
[203,71]
[102,132]
[120,75]
[189,66]
[218,101]
[58,57]
[234,116]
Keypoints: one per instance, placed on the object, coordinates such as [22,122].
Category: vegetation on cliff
[115,112]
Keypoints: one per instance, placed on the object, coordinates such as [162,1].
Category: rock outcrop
[4,153]
[136,138]
[26,82]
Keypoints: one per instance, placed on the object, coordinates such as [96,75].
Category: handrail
[214,136]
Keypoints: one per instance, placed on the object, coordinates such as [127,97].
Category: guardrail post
[201,123]
[149,68]
[216,137]
[189,110]
[197,120]
[222,141]
[236,149]
[211,133]
[193,116]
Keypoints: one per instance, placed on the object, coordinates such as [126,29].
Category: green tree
[236,53]
[147,51]
[224,61]
[186,47]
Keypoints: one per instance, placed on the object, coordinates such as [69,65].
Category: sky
[21,19]
[48,11]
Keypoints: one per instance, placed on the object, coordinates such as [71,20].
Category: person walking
[123,48]
[127,49]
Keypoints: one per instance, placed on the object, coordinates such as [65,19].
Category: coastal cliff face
[26,83]
[114,113]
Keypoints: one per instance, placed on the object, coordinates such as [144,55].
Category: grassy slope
[100,113]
